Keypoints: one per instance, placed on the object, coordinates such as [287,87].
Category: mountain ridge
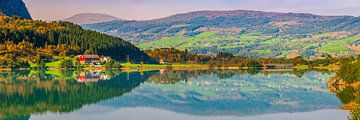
[91,18]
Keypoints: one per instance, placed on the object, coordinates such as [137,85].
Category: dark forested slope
[42,35]
[14,8]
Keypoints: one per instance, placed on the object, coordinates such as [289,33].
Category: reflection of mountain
[22,96]
[204,93]
[238,95]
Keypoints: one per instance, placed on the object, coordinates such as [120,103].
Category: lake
[164,95]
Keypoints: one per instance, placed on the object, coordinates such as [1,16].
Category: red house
[89,59]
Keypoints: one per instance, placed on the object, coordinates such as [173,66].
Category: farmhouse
[89,59]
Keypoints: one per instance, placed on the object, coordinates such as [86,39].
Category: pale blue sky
[150,9]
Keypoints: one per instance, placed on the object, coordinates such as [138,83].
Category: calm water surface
[165,95]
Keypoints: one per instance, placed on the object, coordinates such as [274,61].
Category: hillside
[24,41]
[90,18]
[247,33]
[14,8]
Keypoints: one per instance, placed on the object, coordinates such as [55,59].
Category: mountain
[242,32]
[14,8]
[90,18]
[48,39]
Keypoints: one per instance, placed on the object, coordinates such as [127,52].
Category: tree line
[222,59]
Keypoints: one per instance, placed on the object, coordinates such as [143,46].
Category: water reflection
[235,93]
[30,92]
[346,86]
[92,76]
[201,93]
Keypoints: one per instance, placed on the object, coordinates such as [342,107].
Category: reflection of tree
[174,76]
[224,74]
[25,95]
[9,76]
[253,71]
[346,85]
[300,73]
[67,73]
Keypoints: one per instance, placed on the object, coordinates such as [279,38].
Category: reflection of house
[89,59]
[85,77]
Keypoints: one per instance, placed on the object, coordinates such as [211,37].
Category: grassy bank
[129,66]
[332,67]
[56,65]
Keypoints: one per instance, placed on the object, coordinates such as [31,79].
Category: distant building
[89,59]
[163,62]
[104,59]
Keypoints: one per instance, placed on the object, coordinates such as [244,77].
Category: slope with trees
[27,40]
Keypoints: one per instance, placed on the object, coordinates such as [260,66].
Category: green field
[202,40]
[257,43]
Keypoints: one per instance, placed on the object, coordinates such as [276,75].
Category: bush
[67,63]
[117,65]
[112,64]
[253,63]
[109,64]
[350,72]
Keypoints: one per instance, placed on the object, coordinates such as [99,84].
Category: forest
[22,40]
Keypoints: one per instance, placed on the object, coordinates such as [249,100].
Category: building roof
[91,56]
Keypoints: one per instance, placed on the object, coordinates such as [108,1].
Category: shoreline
[185,67]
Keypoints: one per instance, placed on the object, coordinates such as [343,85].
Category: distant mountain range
[90,18]
[242,32]
[14,8]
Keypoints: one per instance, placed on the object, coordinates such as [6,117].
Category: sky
[152,9]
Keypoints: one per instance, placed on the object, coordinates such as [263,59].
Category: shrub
[67,63]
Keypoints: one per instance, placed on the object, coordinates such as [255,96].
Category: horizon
[205,11]
[145,10]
